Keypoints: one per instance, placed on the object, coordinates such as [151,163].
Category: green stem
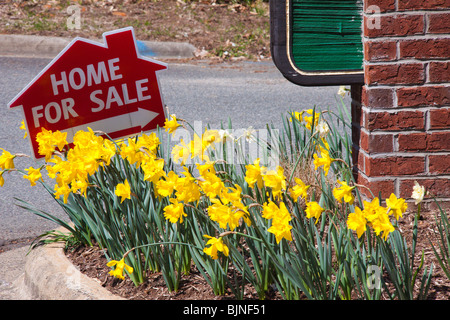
[158,244]
[299,157]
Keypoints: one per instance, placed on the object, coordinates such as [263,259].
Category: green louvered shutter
[326,34]
[318,42]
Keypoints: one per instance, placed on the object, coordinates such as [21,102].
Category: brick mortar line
[405,85]
[392,132]
[406,13]
[397,109]
[383,155]
[425,36]
[400,178]
[404,61]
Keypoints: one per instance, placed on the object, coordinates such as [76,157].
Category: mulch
[92,262]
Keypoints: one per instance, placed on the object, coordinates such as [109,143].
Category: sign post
[108,87]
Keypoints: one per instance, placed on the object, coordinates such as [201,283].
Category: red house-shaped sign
[107,87]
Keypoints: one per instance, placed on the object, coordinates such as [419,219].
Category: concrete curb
[45,273]
[49,275]
[49,47]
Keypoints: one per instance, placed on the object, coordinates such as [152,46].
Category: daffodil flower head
[2,180]
[6,160]
[123,191]
[313,210]
[181,152]
[166,185]
[397,206]
[280,220]
[216,245]
[357,221]
[418,193]
[172,124]
[382,225]
[253,173]
[175,211]
[275,180]
[120,266]
[322,128]
[325,160]
[299,190]
[23,127]
[342,91]
[62,189]
[297,115]
[33,175]
[344,192]
[313,116]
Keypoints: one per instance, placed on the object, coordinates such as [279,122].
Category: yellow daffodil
[79,185]
[344,192]
[210,137]
[120,266]
[23,127]
[297,115]
[210,183]
[270,209]
[149,143]
[231,195]
[153,169]
[397,206]
[123,191]
[187,189]
[220,213]
[280,220]
[165,186]
[224,215]
[62,190]
[33,175]
[48,141]
[357,221]
[382,225]
[181,152]
[299,190]
[172,124]
[275,180]
[325,160]
[253,174]
[374,216]
[7,160]
[373,209]
[216,245]
[174,211]
[2,180]
[313,210]
[313,116]
[281,230]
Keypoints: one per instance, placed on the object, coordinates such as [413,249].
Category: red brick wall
[401,115]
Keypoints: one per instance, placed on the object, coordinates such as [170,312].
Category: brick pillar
[401,115]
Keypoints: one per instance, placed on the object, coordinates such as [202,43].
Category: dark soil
[92,262]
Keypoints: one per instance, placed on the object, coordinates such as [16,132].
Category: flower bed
[267,209]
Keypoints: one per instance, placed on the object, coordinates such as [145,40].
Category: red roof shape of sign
[108,87]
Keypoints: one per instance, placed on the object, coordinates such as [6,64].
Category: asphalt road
[250,94]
